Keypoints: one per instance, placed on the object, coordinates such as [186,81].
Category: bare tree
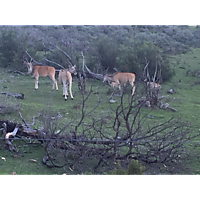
[122,135]
[152,85]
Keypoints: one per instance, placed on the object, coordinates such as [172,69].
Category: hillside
[90,115]
[44,102]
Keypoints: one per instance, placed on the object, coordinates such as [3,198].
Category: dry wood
[16,95]
[90,74]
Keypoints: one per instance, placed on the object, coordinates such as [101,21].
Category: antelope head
[105,78]
[29,65]
[108,78]
[72,70]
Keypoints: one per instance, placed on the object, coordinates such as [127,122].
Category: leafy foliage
[104,47]
[8,47]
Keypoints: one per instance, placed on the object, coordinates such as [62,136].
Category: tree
[8,47]
[134,54]
[102,53]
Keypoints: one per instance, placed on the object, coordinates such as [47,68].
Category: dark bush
[131,56]
[8,47]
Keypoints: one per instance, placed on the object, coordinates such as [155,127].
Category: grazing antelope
[153,85]
[42,71]
[119,79]
[65,78]
[113,84]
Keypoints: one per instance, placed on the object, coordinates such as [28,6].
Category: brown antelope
[113,84]
[119,79]
[65,78]
[42,71]
[153,85]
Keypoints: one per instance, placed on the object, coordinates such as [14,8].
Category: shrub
[8,47]
[104,53]
[130,56]
[134,168]
[133,57]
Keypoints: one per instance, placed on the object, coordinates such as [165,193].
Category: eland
[42,71]
[65,78]
[153,85]
[119,79]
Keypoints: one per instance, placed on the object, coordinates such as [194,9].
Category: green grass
[185,99]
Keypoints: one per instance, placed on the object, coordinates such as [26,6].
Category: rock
[171,91]
[112,101]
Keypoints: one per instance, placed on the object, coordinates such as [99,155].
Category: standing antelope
[65,78]
[42,71]
[119,79]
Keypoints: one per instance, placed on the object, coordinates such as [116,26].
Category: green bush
[131,56]
[134,168]
[8,47]
[104,52]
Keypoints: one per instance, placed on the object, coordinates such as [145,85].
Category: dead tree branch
[54,63]
[32,59]
[103,138]
[68,57]
[123,134]
[15,95]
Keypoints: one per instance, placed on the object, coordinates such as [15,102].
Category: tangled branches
[124,134]
[96,143]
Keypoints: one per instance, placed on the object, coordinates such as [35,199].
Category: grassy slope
[185,100]
[36,102]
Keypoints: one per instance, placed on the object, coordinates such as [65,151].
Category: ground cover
[38,102]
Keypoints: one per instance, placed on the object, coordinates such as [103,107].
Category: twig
[54,63]
[22,118]
[69,58]
[173,109]
[16,71]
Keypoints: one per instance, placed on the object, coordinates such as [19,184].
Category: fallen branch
[10,129]
[18,72]
[16,95]
[173,109]
[7,137]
